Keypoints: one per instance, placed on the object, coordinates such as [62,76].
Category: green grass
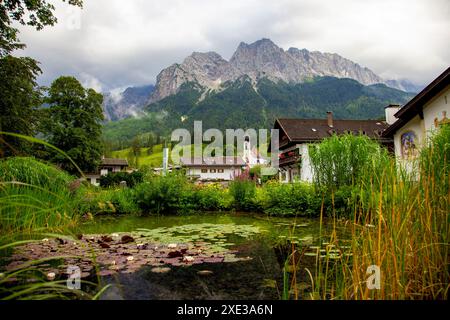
[35,195]
[155,159]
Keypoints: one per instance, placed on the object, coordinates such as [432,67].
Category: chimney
[330,119]
[390,111]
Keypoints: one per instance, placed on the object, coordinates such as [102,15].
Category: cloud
[116,43]
[89,81]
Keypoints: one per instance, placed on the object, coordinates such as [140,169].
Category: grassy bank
[38,200]
[146,157]
[35,195]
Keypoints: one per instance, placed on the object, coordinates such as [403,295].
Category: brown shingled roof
[415,106]
[311,130]
[114,162]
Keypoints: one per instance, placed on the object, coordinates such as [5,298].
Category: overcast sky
[116,43]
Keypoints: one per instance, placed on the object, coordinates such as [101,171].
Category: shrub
[341,202]
[165,194]
[243,193]
[213,197]
[112,201]
[291,199]
[114,179]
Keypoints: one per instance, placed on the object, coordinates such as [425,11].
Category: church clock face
[409,144]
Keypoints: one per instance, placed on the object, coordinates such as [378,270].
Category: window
[212,171]
[204,170]
[220,171]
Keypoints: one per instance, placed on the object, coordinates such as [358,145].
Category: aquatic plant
[37,278]
[105,255]
[401,225]
[34,194]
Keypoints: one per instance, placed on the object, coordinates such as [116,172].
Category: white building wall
[93,179]
[422,128]
[292,174]
[307,170]
[390,112]
[416,126]
[435,108]
[227,174]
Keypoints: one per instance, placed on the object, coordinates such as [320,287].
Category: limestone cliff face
[261,59]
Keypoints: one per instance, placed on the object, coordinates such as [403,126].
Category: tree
[150,143]
[73,124]
[19,100]
[136,147]
[19,94]
[135,152]
[35,13]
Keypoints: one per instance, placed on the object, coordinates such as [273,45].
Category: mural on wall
[445,120]
[409,144]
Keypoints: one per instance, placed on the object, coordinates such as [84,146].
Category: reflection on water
[257,278]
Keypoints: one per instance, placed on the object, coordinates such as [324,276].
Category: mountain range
[262,59]
[261,82]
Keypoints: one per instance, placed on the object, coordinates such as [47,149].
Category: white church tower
[251,155]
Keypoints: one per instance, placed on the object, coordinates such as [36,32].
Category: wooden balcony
[290,160]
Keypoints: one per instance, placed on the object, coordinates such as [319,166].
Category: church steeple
[247,149]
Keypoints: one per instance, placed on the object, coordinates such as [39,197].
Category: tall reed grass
[400,224]
[34,195]
[36,198]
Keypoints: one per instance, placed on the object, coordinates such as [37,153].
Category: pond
[203,256]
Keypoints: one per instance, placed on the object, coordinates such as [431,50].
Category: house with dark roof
[107,165]
[213,169]
[414,122]
[296,134]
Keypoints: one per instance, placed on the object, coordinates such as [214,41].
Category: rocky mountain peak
[261,59]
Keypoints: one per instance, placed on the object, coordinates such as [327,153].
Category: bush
[112,201]
[165,194]
[114,179]
[213,197]
[291,199]
[243,193]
